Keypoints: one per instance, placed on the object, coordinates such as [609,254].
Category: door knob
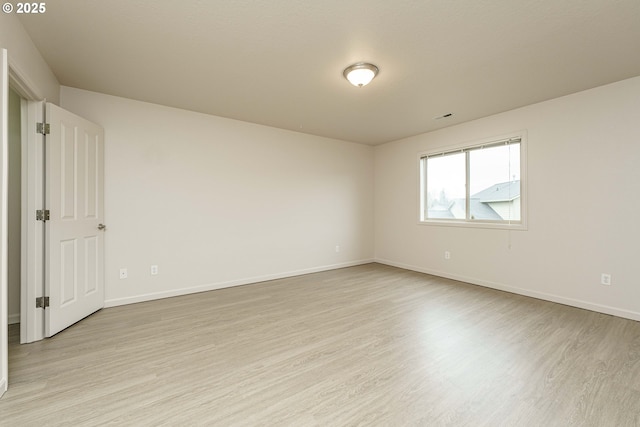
[102,227]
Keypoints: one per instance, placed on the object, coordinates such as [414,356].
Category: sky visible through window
[488,166]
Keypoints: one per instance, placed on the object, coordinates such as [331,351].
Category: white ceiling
[280,62]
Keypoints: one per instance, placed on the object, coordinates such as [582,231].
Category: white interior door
[74,235]
[4,121]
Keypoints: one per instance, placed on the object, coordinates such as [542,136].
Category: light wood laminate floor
[364,346]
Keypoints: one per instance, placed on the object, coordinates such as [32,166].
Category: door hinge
[43,215]
[43,128]
[42,302]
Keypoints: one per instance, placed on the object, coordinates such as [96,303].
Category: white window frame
[476,223]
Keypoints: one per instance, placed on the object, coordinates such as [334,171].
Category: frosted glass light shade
[360,74]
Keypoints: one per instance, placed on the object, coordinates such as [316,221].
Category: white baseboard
[3,386]
[605,309]
[213,286]
[14,318]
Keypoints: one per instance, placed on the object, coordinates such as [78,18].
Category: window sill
[519,226]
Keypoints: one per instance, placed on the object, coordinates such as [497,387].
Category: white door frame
[32,182]
[32,255]
[4,137]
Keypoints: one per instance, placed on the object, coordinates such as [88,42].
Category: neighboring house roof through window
[503,192]
[480,208]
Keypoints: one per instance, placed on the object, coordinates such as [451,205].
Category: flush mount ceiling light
[360,74]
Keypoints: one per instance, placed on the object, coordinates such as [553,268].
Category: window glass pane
[446,187]
[494,180]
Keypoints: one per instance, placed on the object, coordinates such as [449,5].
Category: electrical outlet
[605,279]
[337,248]
[447,255]
[154,270]
[123,273]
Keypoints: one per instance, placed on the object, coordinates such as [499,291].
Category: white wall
[14,202]
[217,202]
[25,62]
[583,177]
